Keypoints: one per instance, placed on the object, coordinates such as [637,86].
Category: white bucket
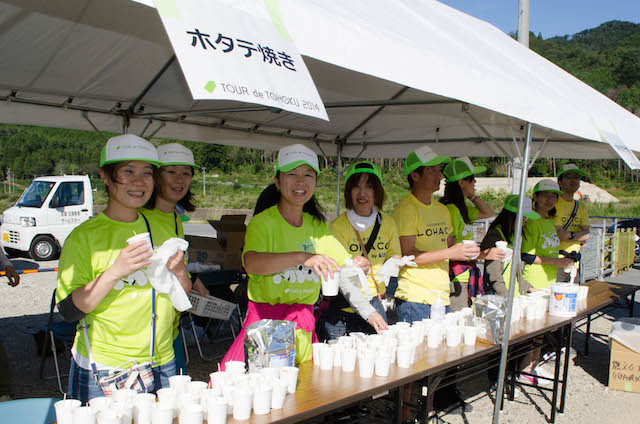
[563,299]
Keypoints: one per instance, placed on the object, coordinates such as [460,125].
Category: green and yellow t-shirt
[387,244]
[120,327]
[269,232]
[431,224]
[462,231]
[563,212]
[540,238]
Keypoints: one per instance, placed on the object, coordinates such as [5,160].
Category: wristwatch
[573,235]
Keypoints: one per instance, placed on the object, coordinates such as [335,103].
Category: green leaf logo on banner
[211,85]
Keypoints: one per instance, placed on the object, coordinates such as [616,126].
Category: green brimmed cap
[127,147]
[570,167]
[176,154]
[364,167]
[461,168]
[424,156]
[547,185]
[291,157]
[511,204]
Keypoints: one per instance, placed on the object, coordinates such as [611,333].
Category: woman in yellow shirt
[363,230]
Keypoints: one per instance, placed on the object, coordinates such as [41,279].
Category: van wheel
[43,248]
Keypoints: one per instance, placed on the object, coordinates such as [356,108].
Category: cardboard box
[205,250]
[624,368]
[231,231]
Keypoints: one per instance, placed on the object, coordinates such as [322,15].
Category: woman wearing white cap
[540,238]
[101,279]
[172,193]
[287,246]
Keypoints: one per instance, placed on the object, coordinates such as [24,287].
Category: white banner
[621,148]
[229,54]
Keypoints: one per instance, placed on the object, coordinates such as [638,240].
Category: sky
[550,17]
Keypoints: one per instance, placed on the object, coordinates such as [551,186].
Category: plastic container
[210,307]
[563,299]
[438,308]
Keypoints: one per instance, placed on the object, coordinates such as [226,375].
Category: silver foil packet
[489,316]
[270,343]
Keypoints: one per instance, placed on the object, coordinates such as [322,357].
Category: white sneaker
[541,372]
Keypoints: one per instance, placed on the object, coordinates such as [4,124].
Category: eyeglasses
[470,178]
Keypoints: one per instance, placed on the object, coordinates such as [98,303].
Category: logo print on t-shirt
[307,246]
[466,230]
[296,274]
[550,240]
[139,278]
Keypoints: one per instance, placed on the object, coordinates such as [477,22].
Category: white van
[46,213]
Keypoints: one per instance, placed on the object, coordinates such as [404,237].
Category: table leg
[587,336]
[398,401]
[556,375]
[632,302]
[565,372]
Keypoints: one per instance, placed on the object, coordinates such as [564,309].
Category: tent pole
[338,174]
[515,265]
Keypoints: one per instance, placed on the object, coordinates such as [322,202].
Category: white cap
[423,156]
[122,148]
[294,155]
[175,154]
[547,185]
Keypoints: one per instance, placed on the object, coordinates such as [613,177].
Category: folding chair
[36,411]
[58,332]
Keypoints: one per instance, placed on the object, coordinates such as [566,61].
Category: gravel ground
[24,309]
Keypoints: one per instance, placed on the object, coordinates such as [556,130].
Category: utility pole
[204,181]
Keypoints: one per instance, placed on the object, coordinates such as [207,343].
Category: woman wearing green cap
[461,185]
[540,238]
[497,273]
[363,230]
[172,193]
[102,280]
[287,247]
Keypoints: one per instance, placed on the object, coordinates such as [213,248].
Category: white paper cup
[348,359]
[337,355]
[330,284]
[290,376]
[472,242]
[502,244]
[168,397]
[383,363]
[470,334]
[453,336]
[326,357]
[192,414]
[434,336]
[583,292]
[315,347]
[231,365]
[216,410]
[100,403]
[83,415]
[278,394]
[180,383]
[162,414]
[125,396]
[262,400]
[142,407]
[140,237]
[403,356]
[366,364]
[242,403]
[270,373]
[124,412]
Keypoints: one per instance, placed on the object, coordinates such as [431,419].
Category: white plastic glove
[354,275]
[391,268]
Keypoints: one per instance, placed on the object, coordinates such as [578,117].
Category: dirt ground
[24,310]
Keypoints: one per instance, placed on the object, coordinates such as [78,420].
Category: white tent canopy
[392,76]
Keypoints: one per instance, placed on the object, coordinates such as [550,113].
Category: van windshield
[35,195]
